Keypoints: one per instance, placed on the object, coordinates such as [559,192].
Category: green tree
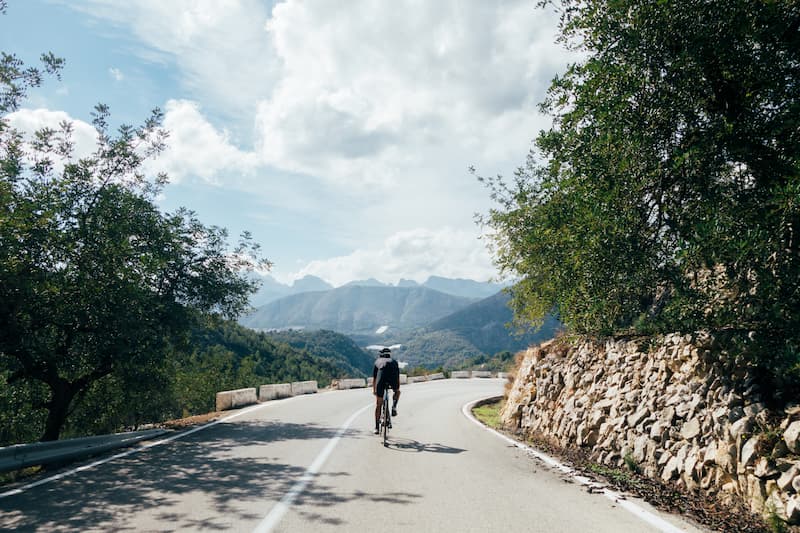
[95,281]
[666,195]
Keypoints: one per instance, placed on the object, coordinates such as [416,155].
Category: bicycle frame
[386,417]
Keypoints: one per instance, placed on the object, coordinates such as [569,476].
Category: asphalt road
[311,463]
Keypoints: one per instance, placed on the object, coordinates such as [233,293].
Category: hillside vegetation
[666,194]
[219,356]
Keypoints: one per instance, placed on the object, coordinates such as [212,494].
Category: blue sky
[338,133]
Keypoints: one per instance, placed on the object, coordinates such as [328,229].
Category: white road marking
[277,513]
[640,512]
[132,451]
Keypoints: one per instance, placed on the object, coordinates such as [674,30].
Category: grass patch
[489,414]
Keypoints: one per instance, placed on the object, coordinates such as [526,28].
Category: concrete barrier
[417,379]
[459,374]
[403,379]
[274,391]
[481,374]
[304,387]
[503,375]
[231,399]
[438,375]
[354,383]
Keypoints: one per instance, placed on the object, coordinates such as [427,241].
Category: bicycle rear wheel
[385,418]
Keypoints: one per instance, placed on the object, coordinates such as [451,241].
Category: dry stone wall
[678,407]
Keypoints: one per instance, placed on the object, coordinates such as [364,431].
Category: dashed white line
[643,514]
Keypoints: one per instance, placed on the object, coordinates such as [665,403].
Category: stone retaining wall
[672,408]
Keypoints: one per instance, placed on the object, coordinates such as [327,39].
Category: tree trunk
[62,393]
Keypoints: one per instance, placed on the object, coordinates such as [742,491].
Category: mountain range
[357,309]
[272,290]
[432,327]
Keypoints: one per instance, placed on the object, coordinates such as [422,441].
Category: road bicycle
[386,417]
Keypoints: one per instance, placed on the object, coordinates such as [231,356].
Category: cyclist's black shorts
[382,385]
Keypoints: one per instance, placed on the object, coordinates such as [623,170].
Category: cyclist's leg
[378,404]
[395,399]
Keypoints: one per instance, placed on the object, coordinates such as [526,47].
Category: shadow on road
[409,445]
[225,468]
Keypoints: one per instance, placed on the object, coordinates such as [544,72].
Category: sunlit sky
[338,133]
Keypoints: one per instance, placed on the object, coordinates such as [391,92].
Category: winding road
[311,463]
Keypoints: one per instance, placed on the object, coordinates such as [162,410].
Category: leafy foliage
[666,194]
[335,347]
[216,356]
[96,282]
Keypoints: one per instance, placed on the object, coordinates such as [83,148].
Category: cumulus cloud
[366,96]
[413,254]
[380,105]
[29,121]
[196,148]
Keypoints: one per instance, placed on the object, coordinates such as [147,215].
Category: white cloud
[373,109]
[29,121]
[196,148]
[116,74]
[412,254]
[219,46]
[367,96]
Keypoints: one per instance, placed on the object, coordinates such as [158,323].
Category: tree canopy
[95,280]
[666,194]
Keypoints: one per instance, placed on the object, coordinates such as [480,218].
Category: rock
[638,416]
[640,448]
[792,437]
[749,451]
[691,429]
[753,409]
[740,427]
[658,431]
[796,484]
[793,510]
[765,469]
[710,455]
[670,471]
[756,493]
[786,479]
[726,457]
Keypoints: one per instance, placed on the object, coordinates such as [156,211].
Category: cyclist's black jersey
[386,372]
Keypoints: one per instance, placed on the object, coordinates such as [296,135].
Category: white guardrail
[43,453]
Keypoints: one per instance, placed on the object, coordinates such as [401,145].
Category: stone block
[304,387]
[352,383]
[460,374]
[232,399]
[690,429]
[792,437]
[786,479]
[274,391]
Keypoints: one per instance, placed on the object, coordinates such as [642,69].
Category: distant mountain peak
[310,283]
[371,282]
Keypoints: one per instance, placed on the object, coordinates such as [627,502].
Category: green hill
[328,345]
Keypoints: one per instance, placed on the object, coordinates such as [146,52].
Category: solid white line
[132,451]
[640,512]
[277,513]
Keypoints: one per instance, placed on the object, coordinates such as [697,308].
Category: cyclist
[385,373]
